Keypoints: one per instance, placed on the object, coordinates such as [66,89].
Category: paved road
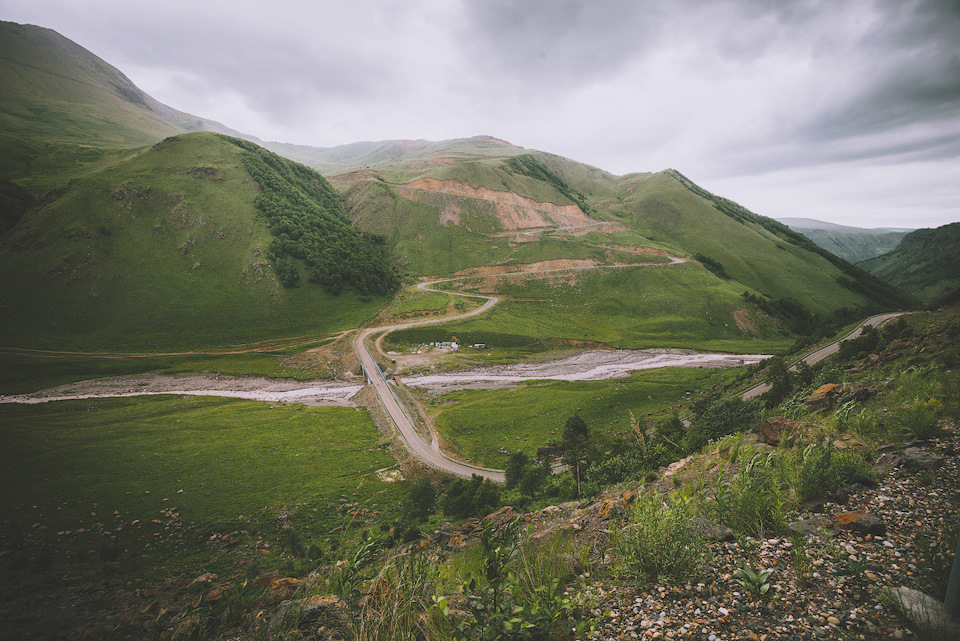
[430,453]
[829,350]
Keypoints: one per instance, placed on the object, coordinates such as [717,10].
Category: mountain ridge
[441,207]
[926,264]
[853,244]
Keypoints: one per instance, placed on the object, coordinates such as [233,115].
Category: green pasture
[418,300]
[477,423]
[680,306]
[82,475]
[161,251]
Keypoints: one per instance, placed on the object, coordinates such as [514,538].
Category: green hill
[173,246]
[852,244]
[926,264]
[205,256]
[62,108]
[56,90]
[477,202]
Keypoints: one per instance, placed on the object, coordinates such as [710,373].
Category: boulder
[823,398]
[772,430]
[858,395]
[329,611]
[265,580]
[859,521]
[810,525]
[918,459]
[501,517]
[714,531]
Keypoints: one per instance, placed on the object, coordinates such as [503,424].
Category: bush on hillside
[755,500]
[476,497]
[664,541]
[719,419]
[822,470]
[713,266]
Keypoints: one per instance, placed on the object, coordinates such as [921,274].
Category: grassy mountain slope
[163,249]
[445,212]
[405,153]
[56,90]
[926,263]
[852,244]
[63,107]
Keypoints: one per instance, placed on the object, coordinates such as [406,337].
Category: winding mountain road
[430,453]
[828,350]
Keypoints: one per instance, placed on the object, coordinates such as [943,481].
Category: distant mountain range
[850,243]
[189,241]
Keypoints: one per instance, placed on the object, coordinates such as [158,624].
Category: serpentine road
[829,350]
[430,453]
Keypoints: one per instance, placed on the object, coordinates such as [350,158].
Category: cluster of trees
[528,165]
[311,232]
[715,267]
[798,318]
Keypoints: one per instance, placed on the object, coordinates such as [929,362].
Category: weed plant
[400,605]
[663,542]
[822,469]
[754,580]
[755,500]
[503,607]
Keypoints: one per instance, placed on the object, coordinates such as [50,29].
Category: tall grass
[663,542]
[821,470]
[755,500]
[400,604]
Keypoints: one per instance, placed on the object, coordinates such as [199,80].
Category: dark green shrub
[720,419]
[421,499]
[476,497]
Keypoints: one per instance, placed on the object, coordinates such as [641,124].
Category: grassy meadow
[477,423]
[679,306]
[135,488]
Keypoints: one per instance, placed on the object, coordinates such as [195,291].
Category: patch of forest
[311,233]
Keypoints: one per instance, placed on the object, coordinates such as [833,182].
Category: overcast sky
[843,111]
